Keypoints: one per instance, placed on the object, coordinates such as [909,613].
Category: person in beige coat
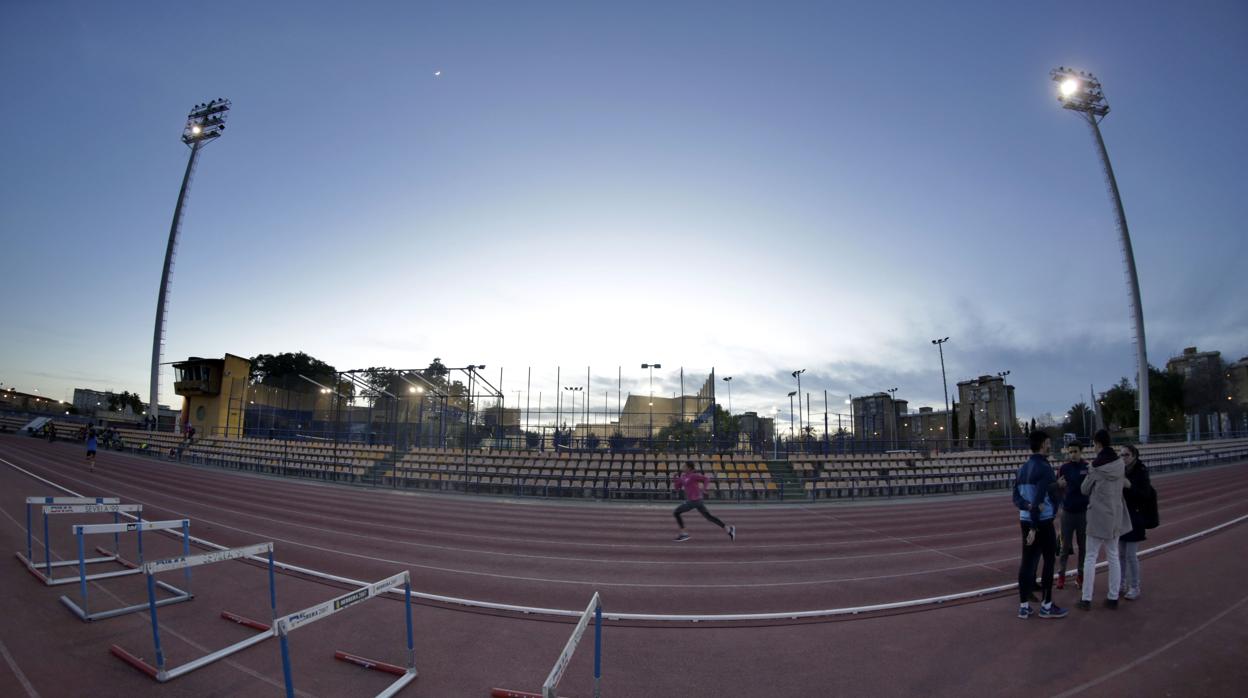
[1108,518]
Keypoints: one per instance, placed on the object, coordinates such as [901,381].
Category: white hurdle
[290,622]
[185,562]
[82,530]
[594,610]
[72,505]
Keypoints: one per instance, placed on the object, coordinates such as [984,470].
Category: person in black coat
[1139,498]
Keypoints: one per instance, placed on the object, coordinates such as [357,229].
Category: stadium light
[798,375]
[204,124]
[728,380]
[944,380]
[652,367]
[1081,92]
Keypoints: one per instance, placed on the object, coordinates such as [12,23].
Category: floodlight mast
[1080,92]
[204,124]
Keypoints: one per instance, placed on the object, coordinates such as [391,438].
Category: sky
[753,187]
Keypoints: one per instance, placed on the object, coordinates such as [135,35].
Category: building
[879,417]
[214,393]
[925,425]
[1208,399]
[16,401]
[989,401]
[756,430]
[1237,377]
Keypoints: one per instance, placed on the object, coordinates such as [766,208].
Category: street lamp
[1081,92]
[204,124]
[728,380]
[652,367]
[798,375]
[1009,428]
[940,345]
[791,394]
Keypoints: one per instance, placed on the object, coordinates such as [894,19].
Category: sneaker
[1061,582]
[682,538]
[1131,595]
[1025,612]
[1083,605]
[1079,580]
[1053,611]
[1111,604]
[732,532]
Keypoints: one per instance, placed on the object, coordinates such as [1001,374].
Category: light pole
[728,380]
[652,367]
[798,375]
[1009,428]
[892,407]
[1081,92]
[945,382]
[791,433]
[204,124]
[574,389]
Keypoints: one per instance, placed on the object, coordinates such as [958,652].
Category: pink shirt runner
[692,484]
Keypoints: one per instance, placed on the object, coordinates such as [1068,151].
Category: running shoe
[1131,595]
[732,532]
[682,538]
[1084,605]
[1025,612]
[1053,611]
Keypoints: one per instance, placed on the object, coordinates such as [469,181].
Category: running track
[554,555]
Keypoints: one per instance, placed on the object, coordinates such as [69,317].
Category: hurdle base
[178,597]
[37,568]
[170,674]
[508,693]
[242,620]
[406,674]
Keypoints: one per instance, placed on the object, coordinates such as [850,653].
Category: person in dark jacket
[1036,496]
[1074,512]
[1138,499]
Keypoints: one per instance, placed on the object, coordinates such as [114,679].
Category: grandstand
[608,475]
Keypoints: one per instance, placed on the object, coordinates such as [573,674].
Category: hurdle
[594,609]
[298,619]
[186,562]
[82,530]
[71,505]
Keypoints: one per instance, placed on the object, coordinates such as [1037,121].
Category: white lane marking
[17,671]
[1140,660]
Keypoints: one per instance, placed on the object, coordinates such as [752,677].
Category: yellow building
[214,393]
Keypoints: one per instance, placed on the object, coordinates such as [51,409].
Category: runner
[691,483]
[91,445]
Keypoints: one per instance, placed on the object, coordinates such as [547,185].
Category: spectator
[1036,495]
[1107,518]
[1074,512]
[1139,499]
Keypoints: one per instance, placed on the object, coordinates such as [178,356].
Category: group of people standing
[1106,504]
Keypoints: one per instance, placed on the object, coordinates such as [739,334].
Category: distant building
[1208,398]
[1237,378]
[214,393]
[926,424]
[756,430]
[879,417]
[16,401]
[991,401]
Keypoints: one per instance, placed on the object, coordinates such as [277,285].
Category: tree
[1033,425]
[1165,396]
[592,441]
[1118,406]
[124,400]
[283,370]
[970,430]
[953,423]
[1078,420]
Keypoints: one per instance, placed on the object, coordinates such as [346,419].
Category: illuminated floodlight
[1069,87]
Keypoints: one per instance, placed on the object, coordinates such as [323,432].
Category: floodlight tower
[203,125]
[1081,92]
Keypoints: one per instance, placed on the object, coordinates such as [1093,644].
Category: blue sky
[755,187]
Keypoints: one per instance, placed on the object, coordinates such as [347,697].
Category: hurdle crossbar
[82,530]
[185,562]
[298,619]
[556,673]
[70,505]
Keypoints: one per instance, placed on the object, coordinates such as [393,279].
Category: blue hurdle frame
[290,622]
[43,570]
[556,673]
[81,530]
[159,672]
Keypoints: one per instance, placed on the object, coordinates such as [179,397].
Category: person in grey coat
[1108,518]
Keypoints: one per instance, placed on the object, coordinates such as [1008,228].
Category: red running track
[555,554]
